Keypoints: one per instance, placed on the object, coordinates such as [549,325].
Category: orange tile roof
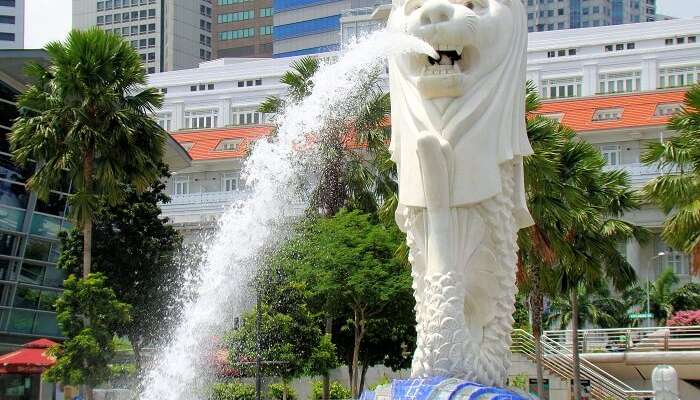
[204,142]
[637,110]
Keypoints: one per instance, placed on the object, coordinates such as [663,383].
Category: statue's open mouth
[451,60]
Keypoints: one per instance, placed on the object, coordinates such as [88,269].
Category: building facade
[168,34]
[243,28]
[212,112]
[549,15]
[12,24]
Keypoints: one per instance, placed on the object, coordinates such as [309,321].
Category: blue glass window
[11,219]
[46,226]
[304,28]
[312,50]
[282,5]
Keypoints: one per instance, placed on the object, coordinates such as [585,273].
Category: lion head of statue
[472,39]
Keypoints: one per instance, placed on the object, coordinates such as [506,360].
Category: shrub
[684,318]
[687,297]
[232,391]
[338,391]
[275,391]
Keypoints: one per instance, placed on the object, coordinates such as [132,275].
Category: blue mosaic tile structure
[438,388]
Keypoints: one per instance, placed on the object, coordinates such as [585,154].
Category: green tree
[348,269]
[677,191]
[658,294]
[596,306]
[84,357]
[88,119]
[134,247]
[291,345]
[686,297]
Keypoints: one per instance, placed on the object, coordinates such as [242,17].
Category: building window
[248,117]
[229,2]
[611,154]
[266,30]
[561,87]
[678,261]
[668,109]
[181,185]
[100,20]
[7,19]
[620,82]
[236,16]
[608,114]
[555,117]
[678,76]
[237,34]
[265,12]
[229,182]
[229,144]
[165,121]
[201,119]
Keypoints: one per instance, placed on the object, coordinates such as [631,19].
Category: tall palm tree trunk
[88,168]
[536,307]
[574,344]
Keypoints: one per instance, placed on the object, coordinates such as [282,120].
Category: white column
[178,116]
[650,74]
[634,257]
[224,113]
[590,79]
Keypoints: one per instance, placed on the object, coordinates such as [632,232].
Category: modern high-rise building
[311,26]
[242,28]
[168,34]
[11,24]
[550,15]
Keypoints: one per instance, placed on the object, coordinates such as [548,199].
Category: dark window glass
[33,274]
[11,219]
[21,321]
[7,37]
[13,194]
[26,297]
[9,244]
[8,170]
[46,325]
[54,277]
[7,19]
[6,267]
[44,225]
[7,3]
[48,299]
[42,250]
[54,205]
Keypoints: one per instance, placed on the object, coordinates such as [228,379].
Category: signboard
[641,315]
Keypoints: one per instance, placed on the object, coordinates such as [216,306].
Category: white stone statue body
[664,380]
[458,138]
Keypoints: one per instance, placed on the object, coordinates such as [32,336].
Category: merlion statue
[664,380]
[458,138]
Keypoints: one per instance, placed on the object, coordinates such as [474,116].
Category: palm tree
[677,193]
[571,200]
[658,295]
[596,307]
[87,118]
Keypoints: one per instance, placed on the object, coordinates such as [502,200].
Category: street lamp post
[659,254]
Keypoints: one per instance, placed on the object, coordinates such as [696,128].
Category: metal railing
[664,338]
[559,361]
[208,197]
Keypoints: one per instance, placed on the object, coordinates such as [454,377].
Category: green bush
[338,391]
[275,391]
[384,380]
[232,391]
[686,298]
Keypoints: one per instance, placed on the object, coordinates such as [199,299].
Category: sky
[47,20]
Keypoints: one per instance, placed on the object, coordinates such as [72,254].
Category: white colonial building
[615,85]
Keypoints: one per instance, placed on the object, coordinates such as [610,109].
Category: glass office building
[30,282]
